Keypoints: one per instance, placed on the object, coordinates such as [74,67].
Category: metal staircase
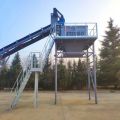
[31,66]
[34,64]
[47,49]
[20,84]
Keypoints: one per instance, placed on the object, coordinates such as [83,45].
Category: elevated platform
[72,39]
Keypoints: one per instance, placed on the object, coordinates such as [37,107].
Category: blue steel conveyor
[56,17]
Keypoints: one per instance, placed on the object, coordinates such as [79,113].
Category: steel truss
[90,56]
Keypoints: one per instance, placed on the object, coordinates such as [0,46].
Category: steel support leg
[94,74]
[55,74]
[36,90]
[88,72]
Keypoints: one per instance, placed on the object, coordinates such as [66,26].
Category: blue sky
[21,17]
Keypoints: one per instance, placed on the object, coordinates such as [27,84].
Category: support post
[55,74]
[36,90]
[88,73]
[94,74]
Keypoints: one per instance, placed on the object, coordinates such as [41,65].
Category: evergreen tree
[81,74]
[30,84]
[47,81]
[35,61]
[61,75]
[110,55]
[74,78]
[69,75]
[4,83]
[35,64]
[15,68]
[46,78]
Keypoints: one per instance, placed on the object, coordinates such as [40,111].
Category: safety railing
[35,60]
[21,77]
[77,30]
[47,49]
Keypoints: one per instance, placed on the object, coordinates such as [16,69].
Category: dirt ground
[72,105]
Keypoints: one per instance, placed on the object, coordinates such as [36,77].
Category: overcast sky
[21,17]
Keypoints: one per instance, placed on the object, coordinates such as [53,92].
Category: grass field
[72,105]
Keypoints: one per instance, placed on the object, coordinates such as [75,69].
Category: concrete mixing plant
[70,40]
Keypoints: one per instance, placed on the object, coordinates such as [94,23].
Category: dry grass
[72,105]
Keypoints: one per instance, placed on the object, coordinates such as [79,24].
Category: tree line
[70,75]
[73,75]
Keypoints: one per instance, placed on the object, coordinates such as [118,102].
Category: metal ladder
[24,75]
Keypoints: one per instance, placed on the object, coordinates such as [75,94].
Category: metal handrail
[45,53]
[48,49]
[15,82]
[18,81]
[91,30]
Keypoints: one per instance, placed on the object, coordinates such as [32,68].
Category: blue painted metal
[24,42]
[56,17]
